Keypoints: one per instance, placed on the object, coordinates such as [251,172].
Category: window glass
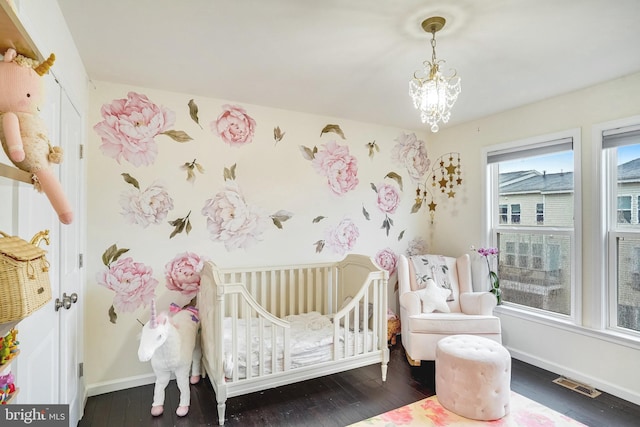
[540,213]
[515,214]
[541,279]
[622,176]
[535,260]
[624,209]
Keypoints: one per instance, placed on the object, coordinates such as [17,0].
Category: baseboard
[601,385]
[120,384]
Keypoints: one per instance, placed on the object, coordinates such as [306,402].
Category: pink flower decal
[150,206]
[387,260]
[343,237]
[388,198]
[410,152]
[232,221]
[132,282]
[129,126]
[234,126]
[340,168]
[183,273]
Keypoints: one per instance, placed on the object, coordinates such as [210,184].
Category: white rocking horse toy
[172,346]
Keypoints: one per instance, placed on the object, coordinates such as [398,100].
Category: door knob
[66,301]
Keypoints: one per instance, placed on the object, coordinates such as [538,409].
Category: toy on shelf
[7,388]
[23,133]
[9,347]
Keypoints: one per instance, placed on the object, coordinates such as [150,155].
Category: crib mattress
[311,342]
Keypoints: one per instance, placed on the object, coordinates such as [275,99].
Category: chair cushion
[453,323]
[434,298]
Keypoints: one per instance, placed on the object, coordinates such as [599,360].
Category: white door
[50,339]
[70,249]
[37,366]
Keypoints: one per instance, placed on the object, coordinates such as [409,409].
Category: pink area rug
[428,412]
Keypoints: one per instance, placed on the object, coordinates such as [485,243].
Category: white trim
[557,323]
[121,384]
[568,372]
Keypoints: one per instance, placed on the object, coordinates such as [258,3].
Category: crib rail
[288,289]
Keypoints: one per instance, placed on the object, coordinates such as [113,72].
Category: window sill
[565,324]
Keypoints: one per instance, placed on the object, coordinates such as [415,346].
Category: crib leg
[221,409]
[383,367]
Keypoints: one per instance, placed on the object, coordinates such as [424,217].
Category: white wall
[578,352]
[272,176]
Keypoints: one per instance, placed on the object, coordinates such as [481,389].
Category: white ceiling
[353,58]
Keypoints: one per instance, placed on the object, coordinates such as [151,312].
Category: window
[538,255]
[537,250]
[515,214]
[540,213]
[624,209]
[503,214]
[621,175]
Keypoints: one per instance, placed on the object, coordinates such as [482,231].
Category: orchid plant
[493,276]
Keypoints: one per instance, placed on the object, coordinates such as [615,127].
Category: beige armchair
[424,303]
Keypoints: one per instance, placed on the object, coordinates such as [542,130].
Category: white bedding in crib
[311,342]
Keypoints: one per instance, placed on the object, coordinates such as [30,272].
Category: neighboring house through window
[538,254]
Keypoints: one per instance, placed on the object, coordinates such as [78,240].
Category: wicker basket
[24,276]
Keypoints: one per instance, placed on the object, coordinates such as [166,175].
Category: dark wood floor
[342,399]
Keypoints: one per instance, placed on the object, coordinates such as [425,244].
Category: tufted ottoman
[473,377]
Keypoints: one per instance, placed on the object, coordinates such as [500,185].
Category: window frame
[609,230]
[491,227]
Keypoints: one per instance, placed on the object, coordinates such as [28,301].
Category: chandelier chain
[433,47]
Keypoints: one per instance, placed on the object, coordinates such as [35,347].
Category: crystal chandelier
[434,95]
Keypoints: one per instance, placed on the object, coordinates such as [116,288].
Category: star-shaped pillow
[434,298]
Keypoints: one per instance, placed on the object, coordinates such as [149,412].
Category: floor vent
[577,387]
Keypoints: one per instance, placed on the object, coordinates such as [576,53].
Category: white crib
[252,318]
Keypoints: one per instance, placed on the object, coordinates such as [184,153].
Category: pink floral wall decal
[337,165]
[342,238]
[132,282]
[387,260]
[232,221]
[411,153]
[387,201]
[129,127]
[142,208]
[183,273]
[234,126]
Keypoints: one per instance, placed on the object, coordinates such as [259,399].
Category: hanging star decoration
[445,177]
